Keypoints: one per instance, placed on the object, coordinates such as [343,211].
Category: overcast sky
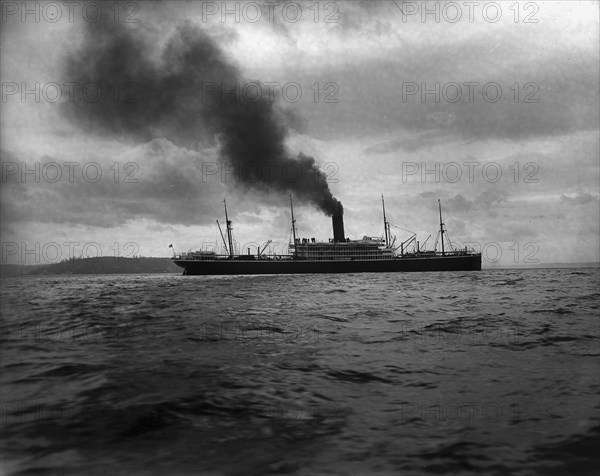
[499,104]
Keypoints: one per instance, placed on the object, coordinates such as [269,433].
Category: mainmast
[228,222]
[441,226]
[385,223]
[293,224]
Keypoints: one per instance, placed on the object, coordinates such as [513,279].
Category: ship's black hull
[289,266]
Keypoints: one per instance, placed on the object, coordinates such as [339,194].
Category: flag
[170,246]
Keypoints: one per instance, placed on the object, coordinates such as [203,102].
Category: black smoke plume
[182,95]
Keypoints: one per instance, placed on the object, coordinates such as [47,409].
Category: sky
[125,125]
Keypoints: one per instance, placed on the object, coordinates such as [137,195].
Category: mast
[441,226]
[293,224]
[228,222]
[222,237]
[385,223]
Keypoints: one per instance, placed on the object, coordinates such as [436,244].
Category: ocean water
[493,372]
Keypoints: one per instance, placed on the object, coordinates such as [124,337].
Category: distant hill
[101,265]
[591,264]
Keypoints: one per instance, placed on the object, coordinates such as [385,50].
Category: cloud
[410,142]
[156,181]
[578,199]
[519,91]
[191,94]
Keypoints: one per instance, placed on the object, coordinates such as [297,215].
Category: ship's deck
[367,249]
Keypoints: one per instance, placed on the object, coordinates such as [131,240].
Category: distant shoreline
[547,265]
[112,265]
[99,265]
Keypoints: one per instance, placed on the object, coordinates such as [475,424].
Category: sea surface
[493,372]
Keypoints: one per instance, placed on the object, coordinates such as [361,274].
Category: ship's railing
[196,256]
[349,256]
[437,254]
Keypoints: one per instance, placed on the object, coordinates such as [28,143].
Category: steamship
[338,255]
